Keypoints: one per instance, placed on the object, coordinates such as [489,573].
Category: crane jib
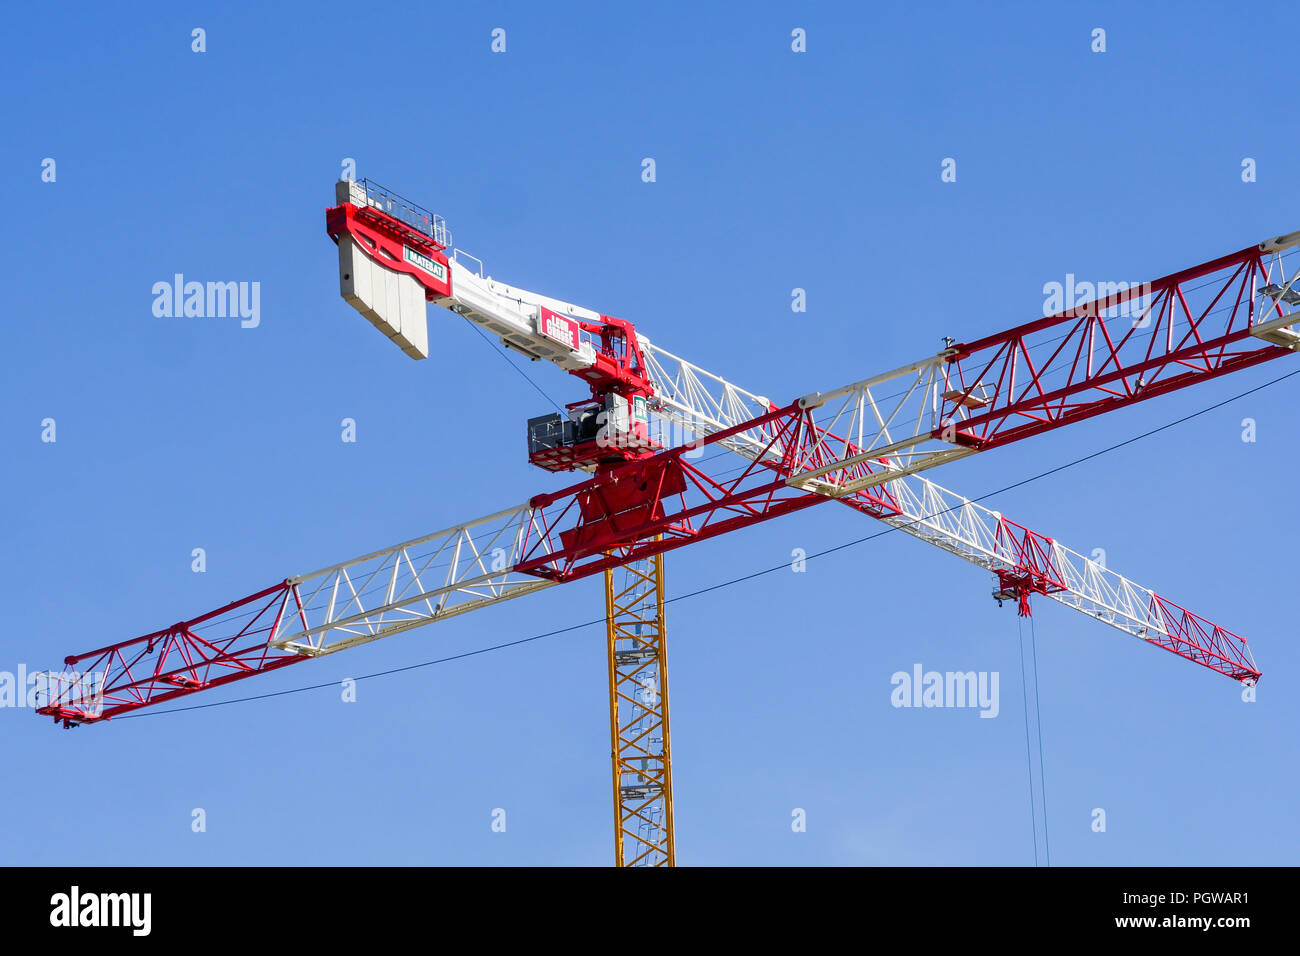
[864,445]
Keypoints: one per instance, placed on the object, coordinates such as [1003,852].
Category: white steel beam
[426,579]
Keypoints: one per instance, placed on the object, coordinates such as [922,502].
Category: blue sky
[775,170]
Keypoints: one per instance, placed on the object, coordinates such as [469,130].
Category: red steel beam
[1088,364]
[1135,364]
[176,661]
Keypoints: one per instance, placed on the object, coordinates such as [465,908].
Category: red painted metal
[179,660]
[1196,639]
[604,522]
[587,453]
[1188,635]
[666,495]
[1079,363]
[653,504]
[560,327]
[614,519]
[1034,568]
[386,239]
[619,367]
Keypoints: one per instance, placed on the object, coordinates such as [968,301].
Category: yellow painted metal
[641,754]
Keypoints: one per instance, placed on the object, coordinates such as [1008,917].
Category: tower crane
[643,439]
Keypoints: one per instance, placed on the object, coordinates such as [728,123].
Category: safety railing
[407,212]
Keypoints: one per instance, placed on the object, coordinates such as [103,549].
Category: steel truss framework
[640,743]
[861,444]
[1024,561]
[1210,320]
[176,661]
[521,550]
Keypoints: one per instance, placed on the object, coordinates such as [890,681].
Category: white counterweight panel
[392,302]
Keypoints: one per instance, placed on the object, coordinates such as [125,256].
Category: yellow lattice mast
[638,714]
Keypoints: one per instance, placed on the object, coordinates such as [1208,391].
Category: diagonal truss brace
[522,550]
[1129,346]
[862,444]
[703,404]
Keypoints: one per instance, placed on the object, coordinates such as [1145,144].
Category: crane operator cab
[591,433]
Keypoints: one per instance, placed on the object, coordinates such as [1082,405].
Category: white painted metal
[470,566]
[1279,331]
[698,403]
[514,316]
[430,578]
[392,302]
[889,422]
[1281,243]
[703,403]
[983,537]
[888,425]
[897,415]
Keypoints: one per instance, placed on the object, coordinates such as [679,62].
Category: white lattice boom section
[430,578]
[701,403]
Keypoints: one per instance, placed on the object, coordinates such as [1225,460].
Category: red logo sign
[560,327]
